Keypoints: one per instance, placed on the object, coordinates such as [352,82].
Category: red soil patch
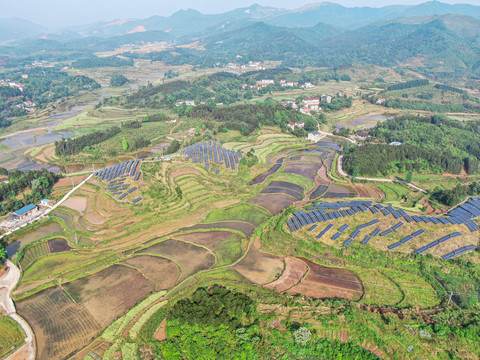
[293,273]
[322,173]
[326,282]
[68,181]
[76,203]
[160,334]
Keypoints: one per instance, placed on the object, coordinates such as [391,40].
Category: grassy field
[11,335]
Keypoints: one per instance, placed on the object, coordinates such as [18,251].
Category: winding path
[7,284]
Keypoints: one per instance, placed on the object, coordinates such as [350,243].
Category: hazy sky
[55,13]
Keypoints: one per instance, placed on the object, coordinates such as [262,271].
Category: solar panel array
[464,213]
[318,213]
[115,177]
[458,252]
[212,153]
[322,212]
[437,242]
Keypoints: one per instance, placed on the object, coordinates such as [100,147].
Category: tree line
[409,84]
[76,145]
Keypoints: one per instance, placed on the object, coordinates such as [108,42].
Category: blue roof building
[24,210]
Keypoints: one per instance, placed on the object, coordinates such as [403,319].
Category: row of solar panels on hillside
[137,200]
[212,151]
[458,252]
[437,242]
[406,239]
[362,206]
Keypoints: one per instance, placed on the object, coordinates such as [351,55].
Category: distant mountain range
[444,39]
[189,22]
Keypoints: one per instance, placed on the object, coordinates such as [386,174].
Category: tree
[355,171]
[3,252]
[118,80]
[302,336]
[124,144]
[310,125]
[173,147]
[409,176]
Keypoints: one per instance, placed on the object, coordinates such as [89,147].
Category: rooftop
[24,210]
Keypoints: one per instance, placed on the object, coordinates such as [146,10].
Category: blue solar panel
[374,210]
[348,242]
[343,227]
[312,228]
[395,245]
[418,233]
[324,231]
[336,236]
[375,232]
[366,240]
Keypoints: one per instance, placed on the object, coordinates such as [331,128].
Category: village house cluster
[252,65]
[13,84]
[263,83]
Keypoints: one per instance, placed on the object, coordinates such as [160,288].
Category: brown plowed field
[287,185]
[163,272]
[297,171]
[281,190]
[61,327]
[209,239]
[292,274]
[110,292]
[58,245]
[181,172]
[67,182]
[260,268]
[76,203]
[326,282]
[368,191]
[273,203]
[242,226]
[191,258]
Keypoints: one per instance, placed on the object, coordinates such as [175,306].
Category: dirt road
[7,284]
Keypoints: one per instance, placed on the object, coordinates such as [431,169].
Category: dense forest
[248,118]
[429,144]
[76,145]
[218,323]
[40,182]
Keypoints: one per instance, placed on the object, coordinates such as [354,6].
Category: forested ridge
[429,144]
[76,145]
[218,323]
